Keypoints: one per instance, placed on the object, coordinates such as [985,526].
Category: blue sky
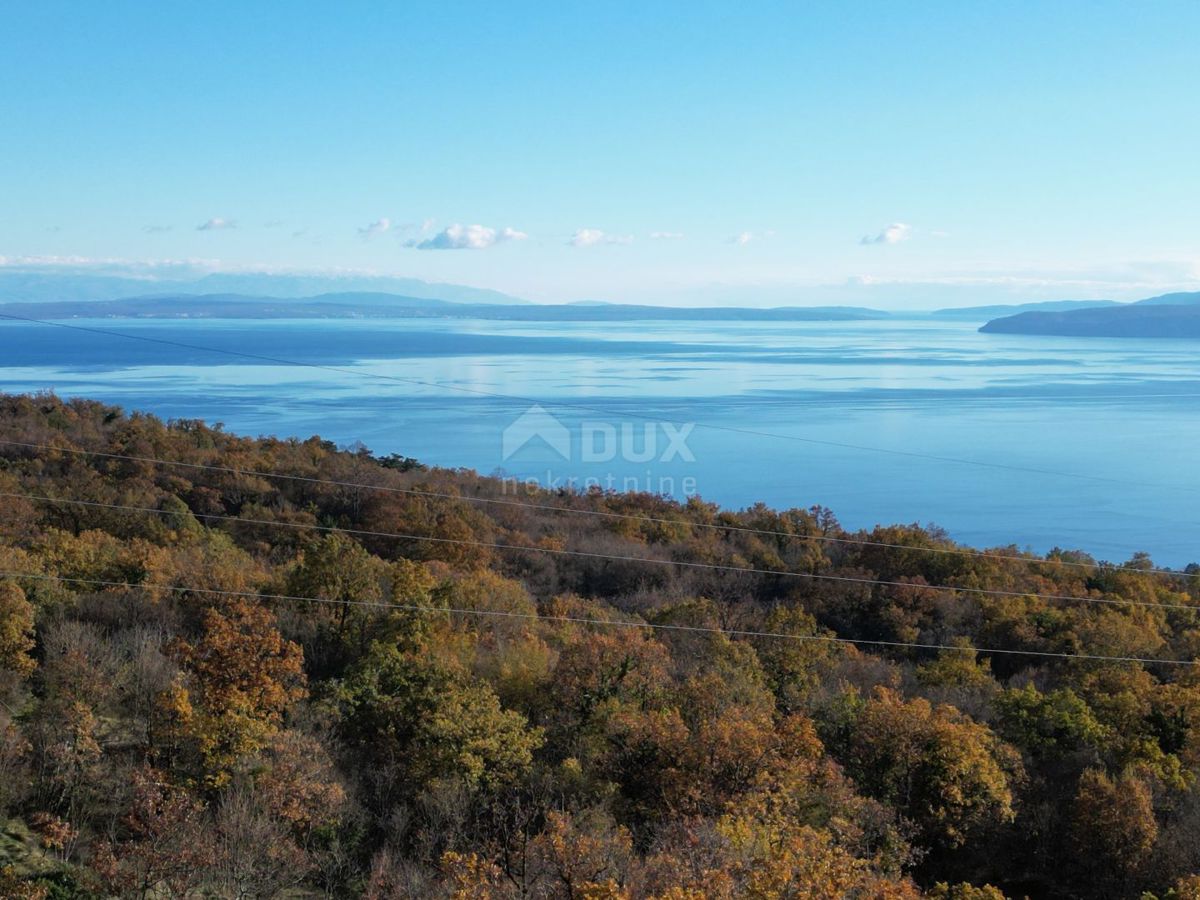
[695,152]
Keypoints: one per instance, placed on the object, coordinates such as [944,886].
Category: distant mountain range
[70,295]
[370,305]
[991,312]
[343,305]
[1167,316]
[41,287]
[1182,298]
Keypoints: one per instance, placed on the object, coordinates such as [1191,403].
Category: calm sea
[1034,441]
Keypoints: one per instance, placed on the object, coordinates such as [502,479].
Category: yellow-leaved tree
[238,679]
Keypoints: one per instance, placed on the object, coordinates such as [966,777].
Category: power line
[587,512]
[585,407]
[586,554]
[583,620]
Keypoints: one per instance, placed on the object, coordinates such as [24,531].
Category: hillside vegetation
[215,681]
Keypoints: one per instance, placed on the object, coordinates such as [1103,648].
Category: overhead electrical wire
[607,514]
[614,623]
[587,554]
[647,560]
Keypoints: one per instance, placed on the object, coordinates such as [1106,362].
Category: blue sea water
[1000,439]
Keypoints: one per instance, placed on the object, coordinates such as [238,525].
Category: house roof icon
[535,423]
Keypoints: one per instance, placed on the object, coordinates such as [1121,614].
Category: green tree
[794,665]
[1048,725]
[418,720]
[349,588]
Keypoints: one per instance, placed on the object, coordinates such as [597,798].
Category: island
[1168,316]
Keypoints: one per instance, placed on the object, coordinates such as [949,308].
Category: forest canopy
[242,667]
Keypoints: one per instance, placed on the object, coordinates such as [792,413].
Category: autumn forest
[235,667]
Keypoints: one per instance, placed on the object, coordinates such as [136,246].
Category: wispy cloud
[468,237]
[403,229]
[156,229]
[216,224]
[379,226]
[590,237]
[666,235]
[746,237]
[118,266]
[273,223]
[1140,275]
[893,234]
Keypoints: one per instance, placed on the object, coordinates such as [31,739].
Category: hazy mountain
[1134,320]
[309,285]
[622,312]
[351,299]
[72,285]
[381,305]
[233,306]
[1183,298]
[984,313]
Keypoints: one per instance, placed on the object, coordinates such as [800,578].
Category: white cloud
[742,239]
[586,237]
[156,229]
[467,237]
[666,235]
[216,224]
[379,226]
[590,237]
[893,234]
